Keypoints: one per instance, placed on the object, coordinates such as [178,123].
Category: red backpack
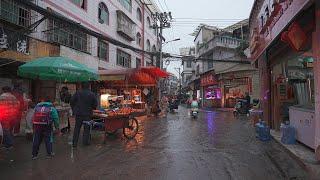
[42,115]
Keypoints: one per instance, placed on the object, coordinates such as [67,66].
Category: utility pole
[161,21]
[180,84]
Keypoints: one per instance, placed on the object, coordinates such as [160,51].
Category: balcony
[219,41]
[126,27]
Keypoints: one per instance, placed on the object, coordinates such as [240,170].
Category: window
[138,39]
[189,64]
[67,36]
[155,31]
[123,59]
[148,45]
[210,65]
[138,62]
[103,49]
[148,22]
[139,15]
[103,14]
[13,12]
[198,69]
[149,64]
[127,4]
[154,49]
[80,3]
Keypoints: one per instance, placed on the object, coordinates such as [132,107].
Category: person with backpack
[45,115]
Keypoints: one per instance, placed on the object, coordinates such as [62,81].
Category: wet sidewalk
[214,146]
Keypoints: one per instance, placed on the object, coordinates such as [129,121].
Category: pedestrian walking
[83,103]
[17,92]
[8,108]
[164,103]
[65,96]
[45,115]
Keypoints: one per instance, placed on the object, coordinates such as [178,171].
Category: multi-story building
[172,85]
[188,64]
[77,29]
[222,66]
[127,21]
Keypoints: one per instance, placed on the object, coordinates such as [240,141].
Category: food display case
[127,98]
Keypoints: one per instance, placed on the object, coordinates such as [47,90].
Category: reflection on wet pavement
[214,146]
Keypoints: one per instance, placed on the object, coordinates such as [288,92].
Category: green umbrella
[57,68]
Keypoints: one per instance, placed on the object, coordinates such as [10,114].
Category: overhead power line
[162,9]
[165,3]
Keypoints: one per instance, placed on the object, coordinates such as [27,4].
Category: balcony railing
[219,41]
[126,26]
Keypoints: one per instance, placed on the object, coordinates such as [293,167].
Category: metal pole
[180,77]
[160,57]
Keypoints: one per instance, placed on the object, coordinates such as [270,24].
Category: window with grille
[80,3]
[103,14]
[139,15]
[13,12]
[148,45]
[138,62]
[210,65]
[148,22]
[63,34]
[138,39]
[189,64]
[123,59]
[103,50]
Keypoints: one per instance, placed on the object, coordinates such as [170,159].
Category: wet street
[214,146]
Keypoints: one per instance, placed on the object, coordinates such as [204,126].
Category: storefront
[212,94]
[235,85]
[284,46]
[134,87]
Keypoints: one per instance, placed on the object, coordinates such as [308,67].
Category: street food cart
[133,84]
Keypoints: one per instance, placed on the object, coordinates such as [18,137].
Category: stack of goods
[122,112]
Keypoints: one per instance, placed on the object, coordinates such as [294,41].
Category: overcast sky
[190,13]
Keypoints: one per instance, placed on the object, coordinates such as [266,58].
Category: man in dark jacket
[83,103]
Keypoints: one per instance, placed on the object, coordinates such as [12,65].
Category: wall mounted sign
[208,80]
[271,21]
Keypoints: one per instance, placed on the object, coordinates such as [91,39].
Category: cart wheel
[86,139]
[132,128]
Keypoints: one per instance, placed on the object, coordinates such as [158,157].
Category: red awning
[155,72]
[127,77]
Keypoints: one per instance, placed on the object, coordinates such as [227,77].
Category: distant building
[188,64]
[222,70]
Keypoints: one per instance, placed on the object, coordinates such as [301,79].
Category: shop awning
[127,77]
[155,72]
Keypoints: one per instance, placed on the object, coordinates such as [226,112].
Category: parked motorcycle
[242,107]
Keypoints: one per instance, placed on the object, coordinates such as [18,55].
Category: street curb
[314,175]
[295,157]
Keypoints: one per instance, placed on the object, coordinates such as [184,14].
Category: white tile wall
[89,19]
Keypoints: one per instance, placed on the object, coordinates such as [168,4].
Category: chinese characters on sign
[208,79]
[13,41]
